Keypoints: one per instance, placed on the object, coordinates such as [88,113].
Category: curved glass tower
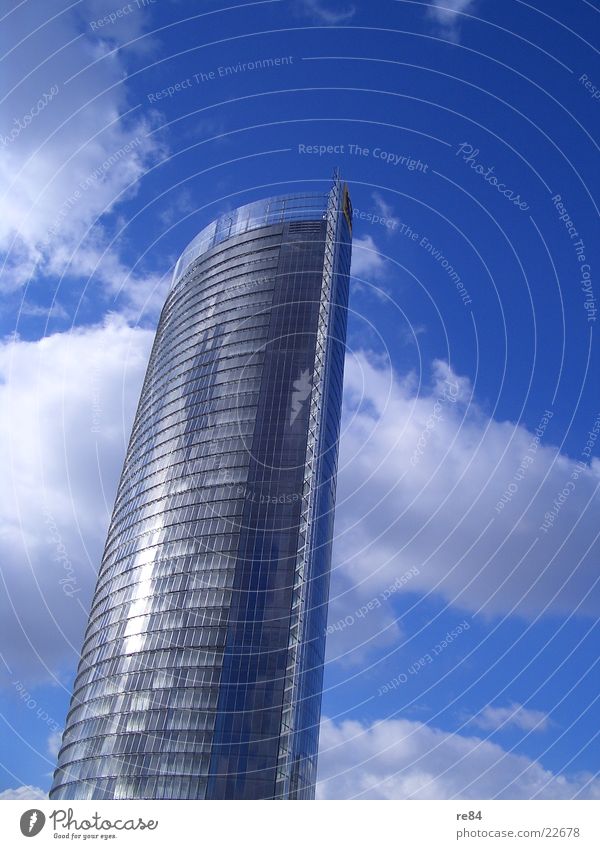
[201,670]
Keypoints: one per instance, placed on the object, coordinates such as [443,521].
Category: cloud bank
[402,759]
[26,791]
[73,148]
[66,406]
[428,480]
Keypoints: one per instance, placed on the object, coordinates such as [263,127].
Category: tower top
[302,206]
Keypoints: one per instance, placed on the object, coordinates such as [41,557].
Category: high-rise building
[201,670]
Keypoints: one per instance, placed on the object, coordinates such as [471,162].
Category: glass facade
[201,670]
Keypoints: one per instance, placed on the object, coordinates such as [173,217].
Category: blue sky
[463,647]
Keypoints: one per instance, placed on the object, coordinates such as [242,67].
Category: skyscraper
[201,670]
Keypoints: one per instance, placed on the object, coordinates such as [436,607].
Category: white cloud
[323,12]
[78,157]
[447,16]
[55,311]
[354,633]
[402,759]
[54,741]
[386,211]
[126,29]
[498,718]
[26,791]
[368,263]
[422,473]
[66,406]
